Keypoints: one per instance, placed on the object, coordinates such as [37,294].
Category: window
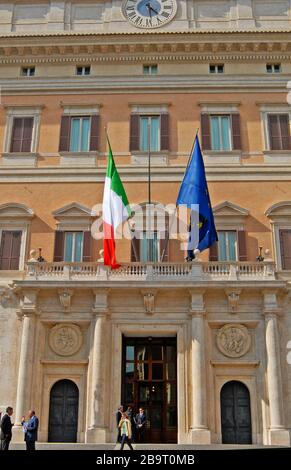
[227,245]
[80,134]
[28,71]
[149,247]
[150,69]
[82,71]
[150,133]
[10,249]
[279,131]
[285,248]
[21,136]
[216,68]
[220,132]
[73,247]
[274,68]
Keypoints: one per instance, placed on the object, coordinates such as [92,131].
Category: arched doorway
[63,413]
[236,424]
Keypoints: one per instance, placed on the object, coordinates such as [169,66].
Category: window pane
[85,134]
[155,133]
[78,247]
[215,133]
[149,247]
[75,135]
[172,417]
[130,353]
[129,370]
[69,247]
[144,134]
[157,371]
[142,371]
[129,395]
[171,371]
[225,127]
[232,246]
[222,246]
[171,353]
[157,353]
[171,393]
[142,353]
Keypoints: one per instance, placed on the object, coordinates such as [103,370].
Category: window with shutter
[279,131]
[21,138]
[10,249]
[285,247]
[79,133]
[227,245]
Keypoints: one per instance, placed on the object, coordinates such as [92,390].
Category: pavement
[139,447]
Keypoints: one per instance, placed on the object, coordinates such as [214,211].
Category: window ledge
[222,156]
[277,156]
[78,158]
[157,158]
[19,159]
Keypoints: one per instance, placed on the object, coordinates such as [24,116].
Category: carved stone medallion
[233,340]
[65,340]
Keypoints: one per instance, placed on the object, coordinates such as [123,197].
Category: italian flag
[116,210]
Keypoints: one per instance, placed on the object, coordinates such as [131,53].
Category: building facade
[202,346]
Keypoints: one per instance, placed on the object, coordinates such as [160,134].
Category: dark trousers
[140,434]
[5,443]
[30,445]
[125,439]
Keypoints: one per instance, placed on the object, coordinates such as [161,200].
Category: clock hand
[155,11]
[148,5]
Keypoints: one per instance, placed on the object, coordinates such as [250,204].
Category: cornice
[130,174]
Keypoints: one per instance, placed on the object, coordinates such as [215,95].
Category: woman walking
[125,431]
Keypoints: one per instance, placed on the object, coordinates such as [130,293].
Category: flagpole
[149,183]
[131,231]
[170,228]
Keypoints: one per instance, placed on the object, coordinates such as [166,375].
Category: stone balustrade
[196,271]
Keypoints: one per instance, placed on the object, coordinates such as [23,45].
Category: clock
[149,14]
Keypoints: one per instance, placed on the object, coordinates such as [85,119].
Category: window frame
[265,110]
[226,231]
[272,66]
[81,118]
[150,68]
[83,68]
[28,69]
[22,112]
[219,116]
[149,116]
[74,233]
[214,69]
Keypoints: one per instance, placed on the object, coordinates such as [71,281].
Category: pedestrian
[140,423]
[30,428]
[6,428]
[125,431]
[130,416]
[118,415]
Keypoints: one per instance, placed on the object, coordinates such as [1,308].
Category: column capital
[100,307]
[271,306]
[197,306]
[28,302]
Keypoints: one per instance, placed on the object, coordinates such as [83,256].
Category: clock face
[149,13]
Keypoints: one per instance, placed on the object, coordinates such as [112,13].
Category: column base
[95,436]
[279,437]
[17,434]
[200,436]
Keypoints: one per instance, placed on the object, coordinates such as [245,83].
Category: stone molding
[233,340]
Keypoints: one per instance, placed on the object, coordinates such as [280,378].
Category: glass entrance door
[150,382]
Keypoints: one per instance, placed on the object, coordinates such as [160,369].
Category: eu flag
[194,190]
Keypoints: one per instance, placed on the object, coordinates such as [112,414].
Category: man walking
[30,430]
[6,428]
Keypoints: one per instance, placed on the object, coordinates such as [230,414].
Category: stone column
[278,434]
[199,431]
[26,359]
[97,430]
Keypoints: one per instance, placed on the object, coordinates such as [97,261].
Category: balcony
[151,272]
